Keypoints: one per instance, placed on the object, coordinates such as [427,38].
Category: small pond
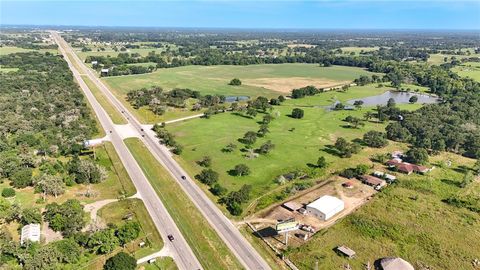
[236,98]
[399,97]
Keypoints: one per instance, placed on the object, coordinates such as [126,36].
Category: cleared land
[357,50]
[11,49]
[437,59]
[204,241]
[266,80]
[215,79]
[110,52]
[407,219]
[297,142]
[468,69]
[116,212]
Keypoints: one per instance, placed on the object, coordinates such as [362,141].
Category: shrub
[297,113]
[8,192]
[235,82]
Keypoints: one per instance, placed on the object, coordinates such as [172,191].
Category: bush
[297,113]
[8,192]
[121,261]
[235,82]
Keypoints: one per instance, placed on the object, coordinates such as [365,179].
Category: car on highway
[170,237]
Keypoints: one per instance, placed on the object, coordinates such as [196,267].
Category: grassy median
[112,112]
[204,241]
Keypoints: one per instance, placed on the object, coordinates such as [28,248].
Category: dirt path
[93,208]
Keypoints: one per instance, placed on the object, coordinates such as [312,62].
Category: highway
[232,237]
[181,251]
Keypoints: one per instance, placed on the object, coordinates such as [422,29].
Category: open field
[114,114]
[266,80]
[407,219]
[297,142]
[10,49]
[110,52]
[357,50]
[115,213]
[215,79]
[437,59]
[469,69]
[210,250]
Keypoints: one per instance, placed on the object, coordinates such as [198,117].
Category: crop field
[297,141]
[407,219]
[468,69]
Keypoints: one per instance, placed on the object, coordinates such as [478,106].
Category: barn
[325,207]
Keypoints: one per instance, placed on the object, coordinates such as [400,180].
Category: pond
[399,97]
[236,98]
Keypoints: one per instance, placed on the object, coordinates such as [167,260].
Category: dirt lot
[353,198]
[285,85]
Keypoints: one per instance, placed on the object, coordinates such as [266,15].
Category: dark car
[183,177]
[170,237]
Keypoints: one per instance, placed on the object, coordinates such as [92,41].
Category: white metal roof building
[30,233]
[325,207]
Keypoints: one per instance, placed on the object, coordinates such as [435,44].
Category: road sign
[286,225]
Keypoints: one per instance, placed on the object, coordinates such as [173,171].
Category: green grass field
[110,52]
[469,69]
[407,219]
[437,59]
[11,49]
[357,50]
[215,79]
[114,114]
[204,241]
[115,212]
[297,142]
[163,263]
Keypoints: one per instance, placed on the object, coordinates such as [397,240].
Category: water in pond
[236,98]
[399,97]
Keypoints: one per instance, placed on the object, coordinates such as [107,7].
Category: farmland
[408,220]
[468,69]
[297,142]
[266,80]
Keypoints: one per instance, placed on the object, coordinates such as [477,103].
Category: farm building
[325,207]
[30,233]
[395,264]
[373,181]
[292,206]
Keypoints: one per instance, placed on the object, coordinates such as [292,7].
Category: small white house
[325,207]
[94,63]
[30,233]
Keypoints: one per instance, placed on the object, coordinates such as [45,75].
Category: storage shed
[325,207]
[395,264]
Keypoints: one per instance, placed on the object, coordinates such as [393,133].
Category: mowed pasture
[407,219]
[257,80]
[109,51]
[297,141]
[266,80]
[469,69]
[4,50]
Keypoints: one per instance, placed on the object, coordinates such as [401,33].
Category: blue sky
[321,14]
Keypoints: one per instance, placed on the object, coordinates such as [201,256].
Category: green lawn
[297,141]
[115,213]
[407,219]
[114,114]
[204,241]
[163,263]
[468,69]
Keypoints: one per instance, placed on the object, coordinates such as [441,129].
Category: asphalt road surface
[242,249]
[182,253]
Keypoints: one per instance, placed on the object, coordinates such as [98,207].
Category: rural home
[373,181]
[325,207]
[30,233]
[407,168]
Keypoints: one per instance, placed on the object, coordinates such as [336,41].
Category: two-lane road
[242,249]
[182,253]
